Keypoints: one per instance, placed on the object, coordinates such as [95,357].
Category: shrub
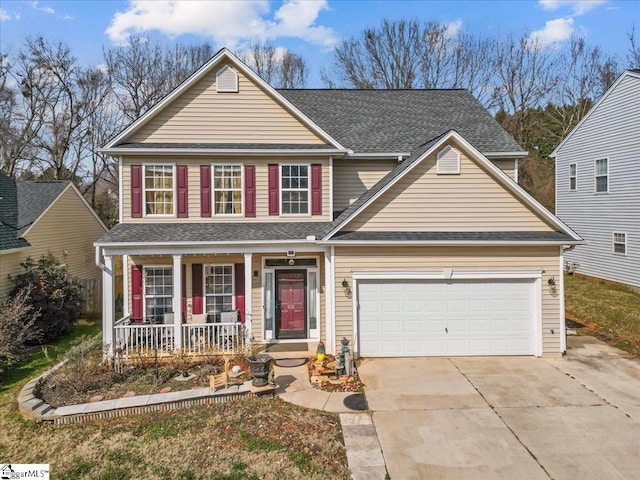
[17,327]
[52,292]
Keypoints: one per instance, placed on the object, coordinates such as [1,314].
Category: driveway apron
[503,417]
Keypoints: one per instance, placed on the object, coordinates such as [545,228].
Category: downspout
[568,249]
[99,264]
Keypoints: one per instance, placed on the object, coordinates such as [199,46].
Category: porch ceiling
[212,233]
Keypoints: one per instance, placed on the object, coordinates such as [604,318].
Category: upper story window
[602,175]
[227,189]
[573,181]
[620,243]
[295,189]
[158,189]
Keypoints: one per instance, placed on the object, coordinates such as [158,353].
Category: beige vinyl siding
[202,115]
[424,201]
[10,267]
[67,225]
[193,176]
[351,178]
[508,166]
[349,259]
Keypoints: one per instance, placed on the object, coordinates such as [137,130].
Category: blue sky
[310,28]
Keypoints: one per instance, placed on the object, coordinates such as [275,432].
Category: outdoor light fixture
[347,288]
[551,281]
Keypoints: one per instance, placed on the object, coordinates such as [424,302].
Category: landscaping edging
[37,409]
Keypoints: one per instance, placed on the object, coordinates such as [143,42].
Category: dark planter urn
[260,365]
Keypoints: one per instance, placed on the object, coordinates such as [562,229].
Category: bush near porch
[610,312]
[255,438]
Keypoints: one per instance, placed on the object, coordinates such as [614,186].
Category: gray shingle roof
[213,232]
[517,236]
[34,198]
[21,204]
[395,121]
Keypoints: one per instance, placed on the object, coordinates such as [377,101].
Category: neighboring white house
[598,185]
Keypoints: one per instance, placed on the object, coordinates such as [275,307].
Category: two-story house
[391,218]
[598,185]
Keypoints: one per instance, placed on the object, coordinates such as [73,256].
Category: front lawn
[257,438]
[610,312]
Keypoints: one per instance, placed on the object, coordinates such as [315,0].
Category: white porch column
[248,282]
[125,285]
[330,307]
[177,301]
[107,306]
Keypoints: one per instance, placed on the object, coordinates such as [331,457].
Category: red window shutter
[136,191]
[274,187]
[239,289]
[183,287]
[205,191]
[316,189]
[183,198]
[249,191]
[136,293]
[196,282]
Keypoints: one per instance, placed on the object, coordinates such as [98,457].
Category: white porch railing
[204,338]
[147,340]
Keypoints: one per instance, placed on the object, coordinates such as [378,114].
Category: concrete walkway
[363,448]
[508,417]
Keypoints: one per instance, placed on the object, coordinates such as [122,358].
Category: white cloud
[36,6]
[453,28]
[226,23]
[4,15]
[578,7]
[66,16]
[554,31]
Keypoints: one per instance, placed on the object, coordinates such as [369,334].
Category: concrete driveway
[576,417]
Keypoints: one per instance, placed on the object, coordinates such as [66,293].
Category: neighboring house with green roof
[37,218]
[390,217]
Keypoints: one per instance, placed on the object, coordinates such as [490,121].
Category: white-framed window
[158,292]
[602,175]
[294,189]
[227,189]
[573,176]
[218,288]
[620,243]
[159,190]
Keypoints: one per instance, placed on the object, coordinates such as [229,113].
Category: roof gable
[627,74]
[196,112]
[400,180]
[34,198]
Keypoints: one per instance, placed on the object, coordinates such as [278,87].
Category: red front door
[291,317]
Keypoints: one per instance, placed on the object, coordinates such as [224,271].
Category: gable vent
[448,161]
[226,80]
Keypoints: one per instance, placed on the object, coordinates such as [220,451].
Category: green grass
[45,356]
[249,439]
[613,309]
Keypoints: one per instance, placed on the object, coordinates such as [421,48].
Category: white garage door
[461,317]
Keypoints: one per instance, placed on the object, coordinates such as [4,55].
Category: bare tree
[389,56]
[633,54]
[526,73]
[279,68]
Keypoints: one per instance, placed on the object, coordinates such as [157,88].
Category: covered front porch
[212,301]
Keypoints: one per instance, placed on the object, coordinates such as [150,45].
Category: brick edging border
[37,409]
